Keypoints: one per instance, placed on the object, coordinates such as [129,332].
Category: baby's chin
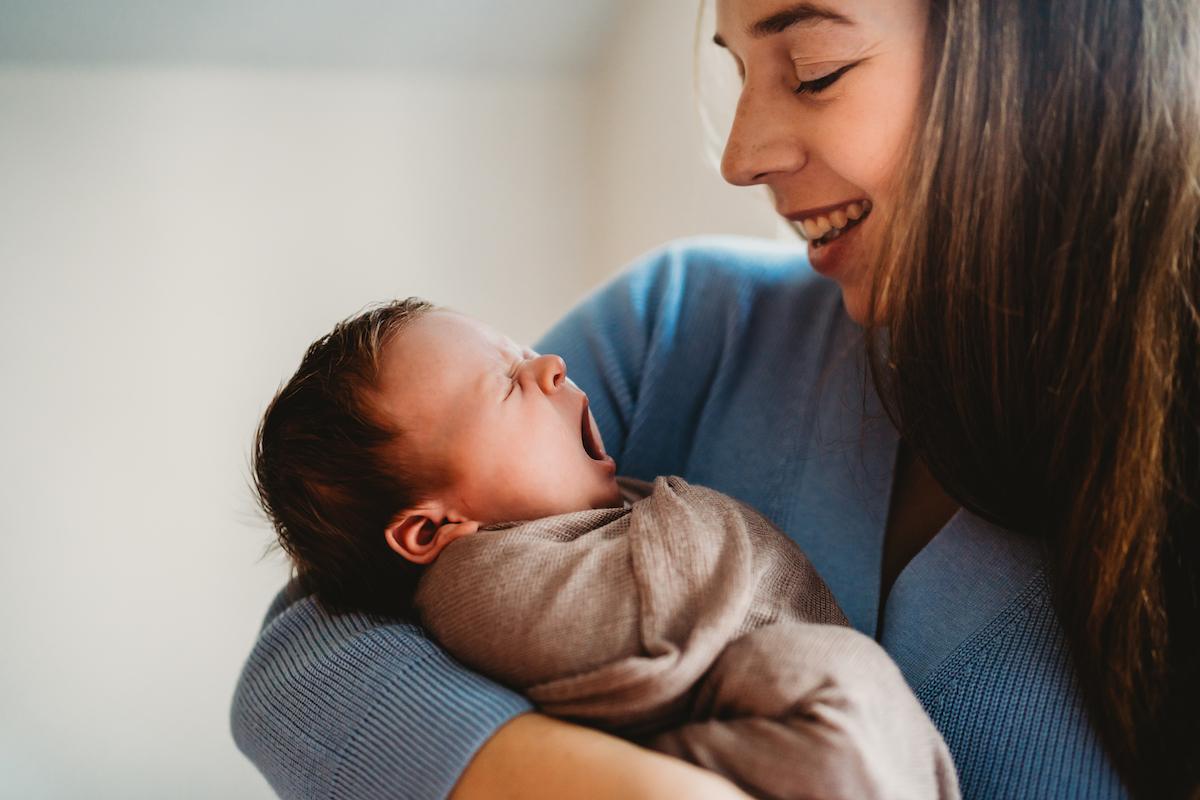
[588,496]
[613,498]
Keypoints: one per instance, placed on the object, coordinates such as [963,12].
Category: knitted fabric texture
[691,623]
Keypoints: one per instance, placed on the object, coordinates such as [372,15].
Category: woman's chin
[850,278]
[855,301]
[842,261]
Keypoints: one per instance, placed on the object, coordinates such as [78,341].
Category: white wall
[170,241]
[655,179]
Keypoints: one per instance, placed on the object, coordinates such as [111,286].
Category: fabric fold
[690,623]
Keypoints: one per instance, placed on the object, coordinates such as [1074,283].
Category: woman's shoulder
[702,297]
[723,270]
[742,256]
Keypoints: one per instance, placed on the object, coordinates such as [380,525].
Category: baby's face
[513,434]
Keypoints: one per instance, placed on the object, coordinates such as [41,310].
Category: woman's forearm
[535,757]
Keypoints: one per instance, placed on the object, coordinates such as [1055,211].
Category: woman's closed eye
[818,85]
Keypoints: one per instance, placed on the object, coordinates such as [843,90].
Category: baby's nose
[550,372]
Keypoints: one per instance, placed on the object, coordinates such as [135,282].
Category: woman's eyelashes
[818,85]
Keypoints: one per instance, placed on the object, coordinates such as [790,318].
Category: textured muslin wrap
[691,624]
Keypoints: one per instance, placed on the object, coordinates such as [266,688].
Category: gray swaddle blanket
[691,624]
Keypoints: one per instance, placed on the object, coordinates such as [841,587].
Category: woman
[1002,197]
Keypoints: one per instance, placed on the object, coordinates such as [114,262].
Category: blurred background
[192,192]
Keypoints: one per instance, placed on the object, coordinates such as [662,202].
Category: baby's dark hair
[328,474]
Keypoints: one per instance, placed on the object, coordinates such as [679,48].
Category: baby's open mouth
[591,436]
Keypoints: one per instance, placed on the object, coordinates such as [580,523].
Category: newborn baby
[421,464]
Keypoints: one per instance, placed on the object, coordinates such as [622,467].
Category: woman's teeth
[824,228]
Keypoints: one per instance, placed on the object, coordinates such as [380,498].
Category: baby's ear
[420,533]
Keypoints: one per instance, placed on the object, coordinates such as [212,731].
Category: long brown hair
[1042,335]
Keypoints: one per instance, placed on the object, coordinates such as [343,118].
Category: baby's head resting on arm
[407,427]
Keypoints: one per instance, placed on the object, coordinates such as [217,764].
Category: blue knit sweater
[728,362]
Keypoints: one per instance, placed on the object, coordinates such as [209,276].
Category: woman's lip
[809,213]
[828,259]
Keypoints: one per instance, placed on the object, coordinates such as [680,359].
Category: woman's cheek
[859,147]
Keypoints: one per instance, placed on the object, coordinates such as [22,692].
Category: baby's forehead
[446,339]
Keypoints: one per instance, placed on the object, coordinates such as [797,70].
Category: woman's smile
[829,97]
[822,226]
[831,231]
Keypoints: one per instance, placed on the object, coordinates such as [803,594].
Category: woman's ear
[419,534]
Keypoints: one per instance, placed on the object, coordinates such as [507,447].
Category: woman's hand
[535,757]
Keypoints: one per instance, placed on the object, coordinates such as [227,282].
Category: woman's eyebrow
[795,15]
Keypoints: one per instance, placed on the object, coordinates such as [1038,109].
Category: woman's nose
[549,371]
[765,140]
